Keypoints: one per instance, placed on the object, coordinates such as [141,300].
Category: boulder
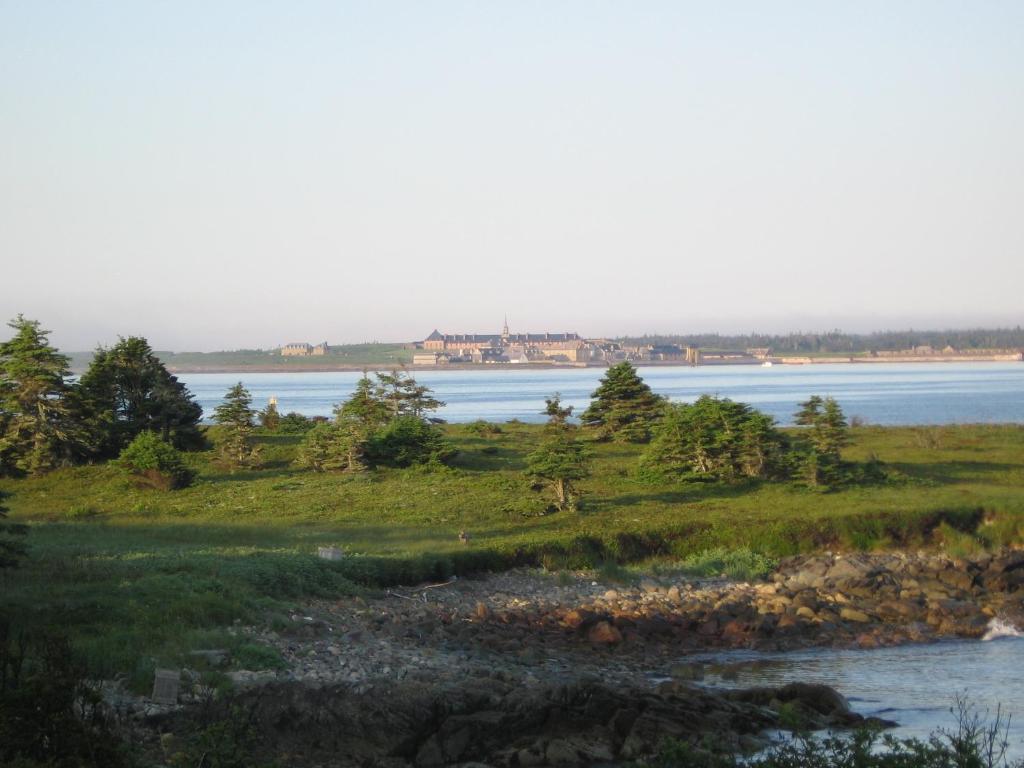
[852,614]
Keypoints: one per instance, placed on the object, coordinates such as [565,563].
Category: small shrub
[294,424]
[484,428]
[254,656]
[742,564]
[408,440]
[156,463]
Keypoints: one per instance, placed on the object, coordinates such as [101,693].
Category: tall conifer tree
[235,416]
[623,407]
[40,426]
[129,391]
[561,460]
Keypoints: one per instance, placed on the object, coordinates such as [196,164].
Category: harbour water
[914,685]
[881,393]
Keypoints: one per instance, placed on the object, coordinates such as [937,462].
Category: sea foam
[1001,628]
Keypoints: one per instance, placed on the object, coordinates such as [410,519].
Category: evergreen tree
[344,444]
[270,418]
[129,391]
[557,415]
[293,423]
[402,396]
[380,423]
[828,434]
[332,447]
[623,407]
[561,460]
[364,406]
[407,440]
[11,549]
[235,416]
[715,438]
[39,414]
[833,431]
[810,411]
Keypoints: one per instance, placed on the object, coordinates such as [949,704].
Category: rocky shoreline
[529,668]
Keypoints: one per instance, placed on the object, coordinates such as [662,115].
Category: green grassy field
[369,354]
[139,577]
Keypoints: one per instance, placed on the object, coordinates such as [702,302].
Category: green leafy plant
[156,463]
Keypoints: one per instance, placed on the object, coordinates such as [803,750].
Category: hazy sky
[223,174]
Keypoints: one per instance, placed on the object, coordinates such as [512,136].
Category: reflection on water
[883,393]
[915,685]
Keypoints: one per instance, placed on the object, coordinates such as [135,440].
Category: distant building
[301,349]
[492,347]
[429,358]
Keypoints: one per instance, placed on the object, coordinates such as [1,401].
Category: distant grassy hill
[343,355]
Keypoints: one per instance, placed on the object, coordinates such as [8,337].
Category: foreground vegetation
[979,740]
[140,576]
[131,535]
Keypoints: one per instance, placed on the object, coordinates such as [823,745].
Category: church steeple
[504,329]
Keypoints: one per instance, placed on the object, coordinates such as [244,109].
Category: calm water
[883,393]
[915,685]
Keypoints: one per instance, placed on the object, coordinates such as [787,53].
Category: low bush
[408,440]
[483,428]
[742,564]
[156,463]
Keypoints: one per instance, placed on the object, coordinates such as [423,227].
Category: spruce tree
[332,447]
[623,407]
[561,460]
[715,438]
[829,431]
[39,414]
[402,396]
[828,434]
[235,417]
[128,391]
[343,444]
[556,413]
[364,406]
[270,417]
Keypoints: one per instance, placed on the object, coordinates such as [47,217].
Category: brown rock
[852,614]
[604,633]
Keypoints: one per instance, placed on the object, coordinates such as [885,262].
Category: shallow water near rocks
[914,685]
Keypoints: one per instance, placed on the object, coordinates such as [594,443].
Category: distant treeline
[837,341]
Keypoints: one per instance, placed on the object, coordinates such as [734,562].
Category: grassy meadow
[139,577]
[368,354]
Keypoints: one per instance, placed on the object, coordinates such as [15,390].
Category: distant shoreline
[343,368]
